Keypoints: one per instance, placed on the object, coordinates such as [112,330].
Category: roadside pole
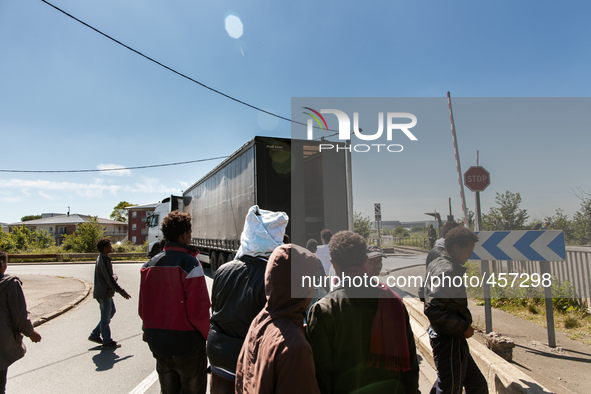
[457,156]
[484,268]
[545,268]
[477,179]
[349,184]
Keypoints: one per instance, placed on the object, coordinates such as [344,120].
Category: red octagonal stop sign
[476,178]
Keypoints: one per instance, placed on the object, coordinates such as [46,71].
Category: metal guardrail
[71,256]
[388,241]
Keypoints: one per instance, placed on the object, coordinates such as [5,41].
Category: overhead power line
[169,68]
[114,169]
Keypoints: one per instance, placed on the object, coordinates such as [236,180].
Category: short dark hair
[326,235]
[447,227]
[175,224]
[461,236]
[312,245]
[347,249]
[3,257]
[102,244]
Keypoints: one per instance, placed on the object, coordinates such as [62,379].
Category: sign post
[477,179]
[377,207]
[526,245]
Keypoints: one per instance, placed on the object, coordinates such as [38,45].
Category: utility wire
[114,169]
[171,69]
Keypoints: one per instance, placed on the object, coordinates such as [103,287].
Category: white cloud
[119,169]
[82,189]
[150,185]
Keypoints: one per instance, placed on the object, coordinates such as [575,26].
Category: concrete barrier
[502,377]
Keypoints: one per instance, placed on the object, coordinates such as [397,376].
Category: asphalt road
[66,362]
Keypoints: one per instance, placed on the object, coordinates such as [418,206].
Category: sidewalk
[48,296]
[565,369]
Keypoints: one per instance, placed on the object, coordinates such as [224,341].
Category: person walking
[174,307]
[446,306]
[105,286]
[14,321]
[276,358]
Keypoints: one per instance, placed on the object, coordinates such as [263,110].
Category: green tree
[6,242]
[43,239]
[361,225]
[582,223]
[508,215]
[121,214]
[560,221]
[401,232]
[86,236]
[23,238]
[30,217]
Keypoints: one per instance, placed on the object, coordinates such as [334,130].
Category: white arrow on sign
[520,245]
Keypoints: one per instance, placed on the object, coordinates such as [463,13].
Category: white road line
[145,384]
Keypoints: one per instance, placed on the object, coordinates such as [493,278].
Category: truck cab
[154,221]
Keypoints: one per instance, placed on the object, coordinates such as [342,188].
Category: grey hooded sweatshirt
[14,321]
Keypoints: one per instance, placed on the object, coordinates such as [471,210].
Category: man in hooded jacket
[14,322]
[276,357]
[238,294]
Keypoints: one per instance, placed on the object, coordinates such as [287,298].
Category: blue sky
[72,99]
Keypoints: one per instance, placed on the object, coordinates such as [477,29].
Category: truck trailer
[277,174]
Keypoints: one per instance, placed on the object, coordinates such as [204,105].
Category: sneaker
[111,345]
[95,339]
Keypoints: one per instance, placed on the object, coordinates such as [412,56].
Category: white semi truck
[277,174]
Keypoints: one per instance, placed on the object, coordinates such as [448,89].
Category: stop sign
[476,178]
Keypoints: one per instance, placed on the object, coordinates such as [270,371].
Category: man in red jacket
[174,306]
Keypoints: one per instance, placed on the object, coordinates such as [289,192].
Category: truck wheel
[221,259]
[213,262]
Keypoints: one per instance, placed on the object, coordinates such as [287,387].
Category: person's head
[459,243]
[374,260]
[104,245]
[312,245]
[447,227]
[347,249]
[176,227]
[3,261]
[286,287]
[325,236]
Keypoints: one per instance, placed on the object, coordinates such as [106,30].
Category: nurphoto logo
[345,129]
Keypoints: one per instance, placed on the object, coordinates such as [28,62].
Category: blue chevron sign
[520,245]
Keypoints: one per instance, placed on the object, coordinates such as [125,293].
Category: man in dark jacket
[446,306]
[276,358]
[105,286]
[360,333]
[440,243]
[238,294]
[174,307]
[14,322]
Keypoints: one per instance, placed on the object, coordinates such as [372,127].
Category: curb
[67,307]
[502,376]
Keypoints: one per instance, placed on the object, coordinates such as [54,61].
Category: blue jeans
[102,329]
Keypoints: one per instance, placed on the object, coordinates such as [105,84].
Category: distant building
[138,230]
[4,227]
[58,225]
[392,224]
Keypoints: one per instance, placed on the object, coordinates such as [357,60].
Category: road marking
[145,384]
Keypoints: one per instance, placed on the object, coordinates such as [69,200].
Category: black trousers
[3,374]
[182,374]
[455,367]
